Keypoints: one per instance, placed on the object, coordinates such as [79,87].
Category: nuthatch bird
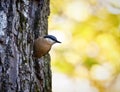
[42,45]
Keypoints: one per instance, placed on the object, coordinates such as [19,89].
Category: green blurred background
[88,60]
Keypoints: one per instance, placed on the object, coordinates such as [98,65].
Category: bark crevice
[22,22]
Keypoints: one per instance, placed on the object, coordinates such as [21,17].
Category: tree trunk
[22,21]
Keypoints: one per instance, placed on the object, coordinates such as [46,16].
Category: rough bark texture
[22,21]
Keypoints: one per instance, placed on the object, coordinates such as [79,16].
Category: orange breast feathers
[41,47]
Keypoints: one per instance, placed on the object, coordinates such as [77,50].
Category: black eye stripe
[51,37]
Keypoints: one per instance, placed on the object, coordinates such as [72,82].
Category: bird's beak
[58,41]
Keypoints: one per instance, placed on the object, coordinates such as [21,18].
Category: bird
[42,45]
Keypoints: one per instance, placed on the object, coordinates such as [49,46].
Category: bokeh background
[88,60]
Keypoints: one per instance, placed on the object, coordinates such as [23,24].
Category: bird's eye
[50,40]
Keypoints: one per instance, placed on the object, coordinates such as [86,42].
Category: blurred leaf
[89,62]
[64,66]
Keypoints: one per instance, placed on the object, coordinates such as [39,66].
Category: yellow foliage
[92,35]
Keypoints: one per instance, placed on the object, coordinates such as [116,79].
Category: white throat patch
[50,40]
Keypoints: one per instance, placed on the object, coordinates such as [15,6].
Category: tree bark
[22,21]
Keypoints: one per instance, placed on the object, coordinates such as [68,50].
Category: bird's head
[51,39]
